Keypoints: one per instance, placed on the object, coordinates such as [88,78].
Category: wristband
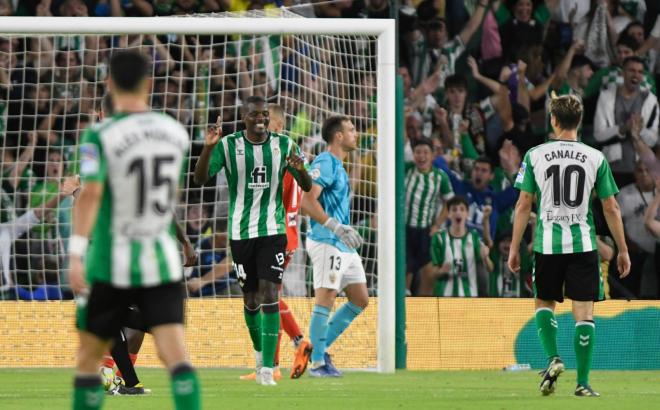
[78,245]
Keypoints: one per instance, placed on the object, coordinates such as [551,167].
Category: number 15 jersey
[563,175]
[138,157]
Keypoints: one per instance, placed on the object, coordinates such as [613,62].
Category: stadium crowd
[477,77]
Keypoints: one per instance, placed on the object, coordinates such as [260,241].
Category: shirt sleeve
[437,249]
[217,160]
[322,172]
[605,185]
[476,240]
[445,187]
[525,179]
[92,162]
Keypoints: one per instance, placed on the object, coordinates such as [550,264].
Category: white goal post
[385,106]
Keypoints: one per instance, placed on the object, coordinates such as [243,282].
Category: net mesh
[51,88]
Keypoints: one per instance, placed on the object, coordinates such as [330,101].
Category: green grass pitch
[25,389]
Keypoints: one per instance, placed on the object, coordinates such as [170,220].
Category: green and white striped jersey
[254,175]
[563,175]
[138,157]
[464,257]
[423,192]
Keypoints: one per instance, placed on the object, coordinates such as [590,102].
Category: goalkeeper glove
[346,233]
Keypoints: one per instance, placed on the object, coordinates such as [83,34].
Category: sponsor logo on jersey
[89,159]
[315,173]
[259,178]
[521,173]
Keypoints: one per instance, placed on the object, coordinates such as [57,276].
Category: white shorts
[334,269]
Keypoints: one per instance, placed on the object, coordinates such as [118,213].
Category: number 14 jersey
[563,174]
[138,158]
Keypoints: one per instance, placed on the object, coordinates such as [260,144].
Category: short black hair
[457,200]
[632,24]
[628,41]
[331,126]
[128,69]
[255,99]
[485,160]
[456,81]
[422,141]
[634,59]
[580,61]
[567,111]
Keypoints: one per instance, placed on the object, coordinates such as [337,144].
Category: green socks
[88,392]
[253,322]
[270,327]
[546,323]
[185,388]
[584,347]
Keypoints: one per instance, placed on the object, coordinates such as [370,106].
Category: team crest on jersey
[521,173]
[89,159]
[315,173]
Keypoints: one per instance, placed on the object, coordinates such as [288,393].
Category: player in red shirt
[291,195]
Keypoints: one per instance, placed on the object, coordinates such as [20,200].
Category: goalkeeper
[332,244]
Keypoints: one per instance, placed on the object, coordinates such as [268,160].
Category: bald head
[276,113]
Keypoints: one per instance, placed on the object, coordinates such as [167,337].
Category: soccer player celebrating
[255,161]
[291,194]
[332,243]
[130,164]
[562,174]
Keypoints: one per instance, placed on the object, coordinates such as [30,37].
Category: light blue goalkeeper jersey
[328,172]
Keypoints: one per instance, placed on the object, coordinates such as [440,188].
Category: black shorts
[132,319]
[259,258]
[418,248]
[576,275]
[106,310]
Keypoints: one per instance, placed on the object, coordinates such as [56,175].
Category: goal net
[52,85]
